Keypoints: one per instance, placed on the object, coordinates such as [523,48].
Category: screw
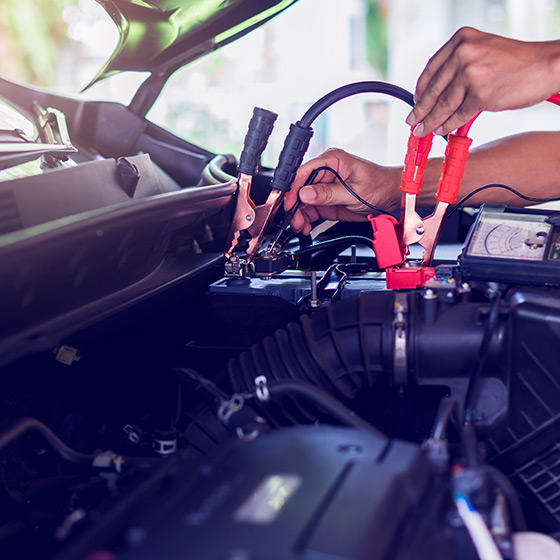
[314,302]
[420,230]
[249,218]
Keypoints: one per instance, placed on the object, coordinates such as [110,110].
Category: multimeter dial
[499,237]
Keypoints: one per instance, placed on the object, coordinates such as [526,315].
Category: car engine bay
[162,399]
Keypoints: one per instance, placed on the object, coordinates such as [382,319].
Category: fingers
[330,159]
[442,98]
[441,56]
[467,111]
[301,222]
[318,195]
[453,108]
[436,107]
[325,194]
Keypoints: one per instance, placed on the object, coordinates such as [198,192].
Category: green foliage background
[376,34]
[31,35]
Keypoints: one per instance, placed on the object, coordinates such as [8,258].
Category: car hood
[159,36]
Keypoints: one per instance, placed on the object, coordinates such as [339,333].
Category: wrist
[394,181]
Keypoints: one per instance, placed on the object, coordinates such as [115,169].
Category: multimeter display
[498,235]
[513,245]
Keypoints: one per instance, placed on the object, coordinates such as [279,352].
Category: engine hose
[356,343]
[324,400]
[340,349]
[24,425]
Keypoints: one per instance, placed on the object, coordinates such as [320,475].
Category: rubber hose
[341,349]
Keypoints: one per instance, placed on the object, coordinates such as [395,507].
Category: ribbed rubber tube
[341,349]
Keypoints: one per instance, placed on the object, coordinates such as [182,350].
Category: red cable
[464,130]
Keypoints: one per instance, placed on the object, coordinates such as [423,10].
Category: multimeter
[513,245]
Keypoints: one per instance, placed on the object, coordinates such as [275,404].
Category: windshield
[318,45]
[285,65]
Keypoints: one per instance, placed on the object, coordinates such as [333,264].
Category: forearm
[529,162]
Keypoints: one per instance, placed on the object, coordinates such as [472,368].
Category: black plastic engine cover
[303,492]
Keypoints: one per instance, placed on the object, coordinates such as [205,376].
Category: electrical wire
[476,527]
[500,480]
[499,186]
[22,426]
[351,191]
[464,130]
[189,375]
[448,410]
[345,241]
[489,332]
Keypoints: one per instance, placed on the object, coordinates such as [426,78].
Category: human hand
[328,199]
[476,71]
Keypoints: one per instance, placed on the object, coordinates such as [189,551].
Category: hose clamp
[400,311]
[261,388]
[165,446]
[229,408]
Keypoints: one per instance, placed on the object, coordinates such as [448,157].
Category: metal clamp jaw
[247,216]
[256,220]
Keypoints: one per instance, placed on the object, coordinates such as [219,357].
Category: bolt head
[249,218]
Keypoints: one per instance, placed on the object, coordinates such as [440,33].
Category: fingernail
[439,130]
[411,118]
[307,194]
[419,129]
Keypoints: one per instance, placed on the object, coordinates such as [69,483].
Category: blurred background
[313,47]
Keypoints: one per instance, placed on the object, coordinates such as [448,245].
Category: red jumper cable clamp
[391,238]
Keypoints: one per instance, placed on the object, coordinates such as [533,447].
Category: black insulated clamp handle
[260,128]
[290,159]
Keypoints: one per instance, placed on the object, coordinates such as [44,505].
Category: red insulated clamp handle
[415,162]
[456,155]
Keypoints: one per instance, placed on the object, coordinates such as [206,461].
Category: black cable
[333,406]
[489,332]
[290,214]
[448,410]
[189,375]
[500,480]
[25,425]
[499,186]
[353,89]
[346,241]
[470,446]
[351,191]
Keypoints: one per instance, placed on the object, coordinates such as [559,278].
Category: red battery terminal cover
[408,278]
[387,232]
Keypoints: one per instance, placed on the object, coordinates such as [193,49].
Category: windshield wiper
[54,143]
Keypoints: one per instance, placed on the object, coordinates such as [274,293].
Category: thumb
[325,194]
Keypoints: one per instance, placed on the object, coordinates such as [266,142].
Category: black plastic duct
[349,346]
[341,349]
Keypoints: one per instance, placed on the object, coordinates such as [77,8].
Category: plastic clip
[228,408]
[261,388]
